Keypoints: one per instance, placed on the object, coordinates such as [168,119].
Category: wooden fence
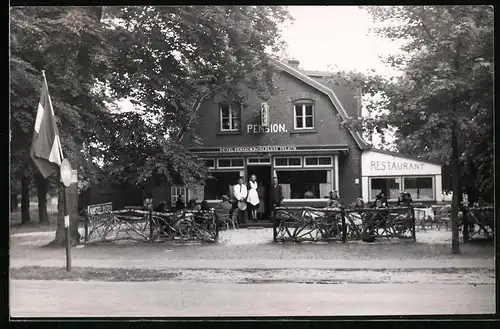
[149,226]
[298,224]
[478,221]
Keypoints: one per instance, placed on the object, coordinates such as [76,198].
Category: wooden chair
[224,216]
[442,218]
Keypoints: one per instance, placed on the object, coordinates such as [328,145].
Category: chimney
[294,63]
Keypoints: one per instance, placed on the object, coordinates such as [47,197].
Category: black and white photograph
[251,161]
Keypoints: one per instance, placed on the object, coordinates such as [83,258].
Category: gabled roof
[327,91]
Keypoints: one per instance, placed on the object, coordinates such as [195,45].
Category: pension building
[297,136]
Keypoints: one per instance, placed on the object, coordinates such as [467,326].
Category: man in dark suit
[276,196]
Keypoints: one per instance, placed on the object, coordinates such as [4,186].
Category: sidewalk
[250,249]
[263,264]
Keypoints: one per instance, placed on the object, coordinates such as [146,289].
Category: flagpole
[65,204]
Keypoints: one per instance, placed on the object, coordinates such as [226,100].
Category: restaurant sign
[392,165]
[257,149]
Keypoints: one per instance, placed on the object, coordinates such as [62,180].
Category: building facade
[392,172]
[296,135]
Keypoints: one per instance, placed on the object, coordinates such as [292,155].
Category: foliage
[168,59]
[171,56]
[447,61]
[137,154]
[65,42]
[165,58]
[442,105]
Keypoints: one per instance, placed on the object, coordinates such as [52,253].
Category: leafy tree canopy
[447,83]
[163,58]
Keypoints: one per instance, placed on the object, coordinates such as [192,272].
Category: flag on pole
[46,149]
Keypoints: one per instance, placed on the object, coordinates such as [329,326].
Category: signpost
[66,178]
[148,203]
[264,114]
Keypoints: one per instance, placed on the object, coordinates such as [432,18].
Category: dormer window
[230,119]
[303,115]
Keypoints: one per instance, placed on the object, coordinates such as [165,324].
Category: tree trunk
[60,239]
[41,189]
[25,198]
[455,242]
[13,202]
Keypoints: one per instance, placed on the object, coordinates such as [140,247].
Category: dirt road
[163,299]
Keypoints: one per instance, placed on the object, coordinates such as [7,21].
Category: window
[310,184]
[176,192]
[303,116]
[288,162]
[218,184]
[229,118]
[420,188]
[318,161]
[230,163]
[256,161]
[210,163]
[390,186]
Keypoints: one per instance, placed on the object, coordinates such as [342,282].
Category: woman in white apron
[253,197]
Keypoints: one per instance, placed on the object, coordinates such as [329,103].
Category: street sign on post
[148,203]
[66,173]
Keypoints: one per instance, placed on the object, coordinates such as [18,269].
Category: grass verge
[247,275]
[90,274]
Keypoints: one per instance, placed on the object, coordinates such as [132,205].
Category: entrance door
[264,176]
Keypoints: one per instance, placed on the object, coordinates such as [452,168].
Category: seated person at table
[193,205]
[377,219]
[360,204]
[407,200]
[180,204]
[204,205]
[381,196]
[400,198]
[334,200]
[161,207]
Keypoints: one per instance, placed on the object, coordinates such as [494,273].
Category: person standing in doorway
[276,196]
[253,197]
[240,194]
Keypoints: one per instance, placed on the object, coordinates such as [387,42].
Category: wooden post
[67,231]
[150,215]
[86,226]
[214,221]
[344,226]
[413,233]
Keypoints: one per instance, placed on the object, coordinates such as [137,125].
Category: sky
[323,36]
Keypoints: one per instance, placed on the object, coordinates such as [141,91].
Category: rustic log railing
[149,226]
[299,224]
[478,221]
